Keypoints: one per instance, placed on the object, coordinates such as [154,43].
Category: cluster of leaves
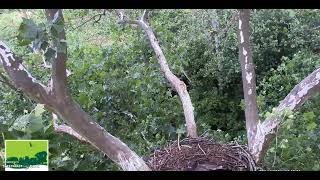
[117,80]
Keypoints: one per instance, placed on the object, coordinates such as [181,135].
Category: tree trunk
[260,135]
[248,76]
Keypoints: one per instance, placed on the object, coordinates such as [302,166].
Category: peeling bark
[248,76]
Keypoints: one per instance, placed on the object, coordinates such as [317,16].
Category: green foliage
[117,80]
[29,31]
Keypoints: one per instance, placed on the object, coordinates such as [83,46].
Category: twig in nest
[185,146]
[201,149]
[179,143]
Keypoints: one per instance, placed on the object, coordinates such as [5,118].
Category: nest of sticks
[201,154]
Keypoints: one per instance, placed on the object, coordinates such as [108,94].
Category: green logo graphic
[26,155]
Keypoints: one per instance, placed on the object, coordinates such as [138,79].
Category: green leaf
[50,54]
[289,123]
[181,130]
[39,109]
[309,116]
[291,116]
[21,123]
[48,129]
[62,47]
[44,45]
[136,75]
[28,123]
[28,32]
[57,25]
[292,13]
[311,126]
[83,98]
[268,114]
[35,124]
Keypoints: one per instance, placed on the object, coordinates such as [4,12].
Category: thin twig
[179,142]
[90,19]
[201,149]
[185,74]
[145,15]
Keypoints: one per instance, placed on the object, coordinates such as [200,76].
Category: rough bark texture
[248,76]
[58,101]
[266,130]
[175,82]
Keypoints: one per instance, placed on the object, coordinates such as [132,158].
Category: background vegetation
[116,78]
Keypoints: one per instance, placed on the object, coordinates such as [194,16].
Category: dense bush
[116,79]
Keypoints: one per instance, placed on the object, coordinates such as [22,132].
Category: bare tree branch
[248,76]
[175,82]
[144,15]
[99,15]
[266,130]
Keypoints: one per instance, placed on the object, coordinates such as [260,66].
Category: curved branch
[175,82]
[99,15]
[266,130]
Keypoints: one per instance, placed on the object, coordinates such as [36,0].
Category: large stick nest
[201,154]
